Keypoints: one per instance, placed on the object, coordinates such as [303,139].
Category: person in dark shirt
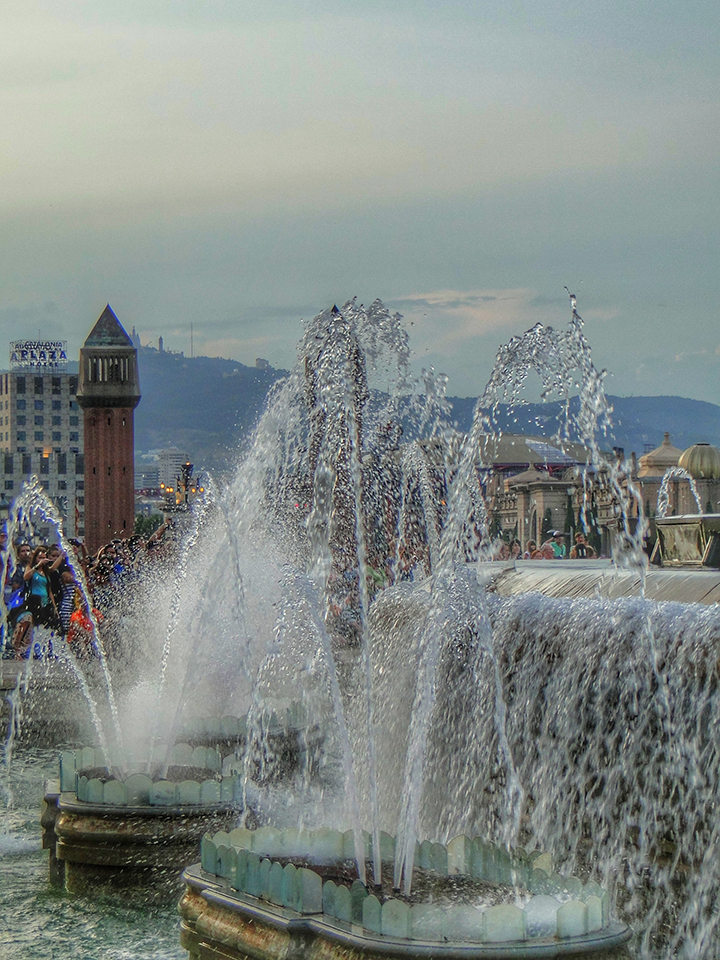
[16,600]
[62,585]
[581,549]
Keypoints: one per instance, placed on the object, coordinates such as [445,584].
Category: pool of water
[39,921]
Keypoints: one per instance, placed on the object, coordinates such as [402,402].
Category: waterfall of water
[563,361]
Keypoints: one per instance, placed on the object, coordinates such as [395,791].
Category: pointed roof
[108,332]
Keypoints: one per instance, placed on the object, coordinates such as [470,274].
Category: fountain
[105,826]
[501,773]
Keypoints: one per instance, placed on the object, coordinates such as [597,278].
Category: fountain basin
[476,899]
[103,827]
[217,922]
[123,847]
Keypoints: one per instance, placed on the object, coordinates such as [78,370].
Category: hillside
[202,405]
[205,406]
[637,421]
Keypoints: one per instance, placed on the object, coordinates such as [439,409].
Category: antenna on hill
[191,340]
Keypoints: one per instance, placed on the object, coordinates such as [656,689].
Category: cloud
[686,354]
[601,313]
[446,320]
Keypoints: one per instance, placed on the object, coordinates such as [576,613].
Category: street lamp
[184,482]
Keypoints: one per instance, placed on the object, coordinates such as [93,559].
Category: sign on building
[38,354]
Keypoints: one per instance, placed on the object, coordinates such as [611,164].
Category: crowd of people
[69,593]
[554,548]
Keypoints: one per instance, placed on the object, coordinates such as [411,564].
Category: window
[8,463]
[57,404]
[21,404]
[62,484]
[81,501]
[39,404]
[62,462]
[57,436]
[21,421]
[27,463]
[79,463]
[56,421]
[80,485]
[39,384]
[74,437]
[39,436]
[20,385]
[73,405]
[40,421]
[8,484]
[45,465]
[21,435]
[21,449]
[74,421]
[56,385]
[73,385]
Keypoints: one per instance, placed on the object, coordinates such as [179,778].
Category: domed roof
[655,463]
[702,461]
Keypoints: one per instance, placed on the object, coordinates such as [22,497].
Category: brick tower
[108,392]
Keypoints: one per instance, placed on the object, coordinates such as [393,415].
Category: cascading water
[584,727]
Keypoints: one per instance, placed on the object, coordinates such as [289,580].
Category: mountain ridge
[206,406]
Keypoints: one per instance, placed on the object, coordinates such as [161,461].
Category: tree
[569,518]
[547,525]
[147,524]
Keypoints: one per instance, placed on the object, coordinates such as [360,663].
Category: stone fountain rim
[614,935]
[68,802]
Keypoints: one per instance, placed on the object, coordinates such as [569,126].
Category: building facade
[41,430]
[169,467]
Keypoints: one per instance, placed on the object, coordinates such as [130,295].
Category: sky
[241,166]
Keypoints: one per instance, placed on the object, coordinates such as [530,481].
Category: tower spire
[108,392]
